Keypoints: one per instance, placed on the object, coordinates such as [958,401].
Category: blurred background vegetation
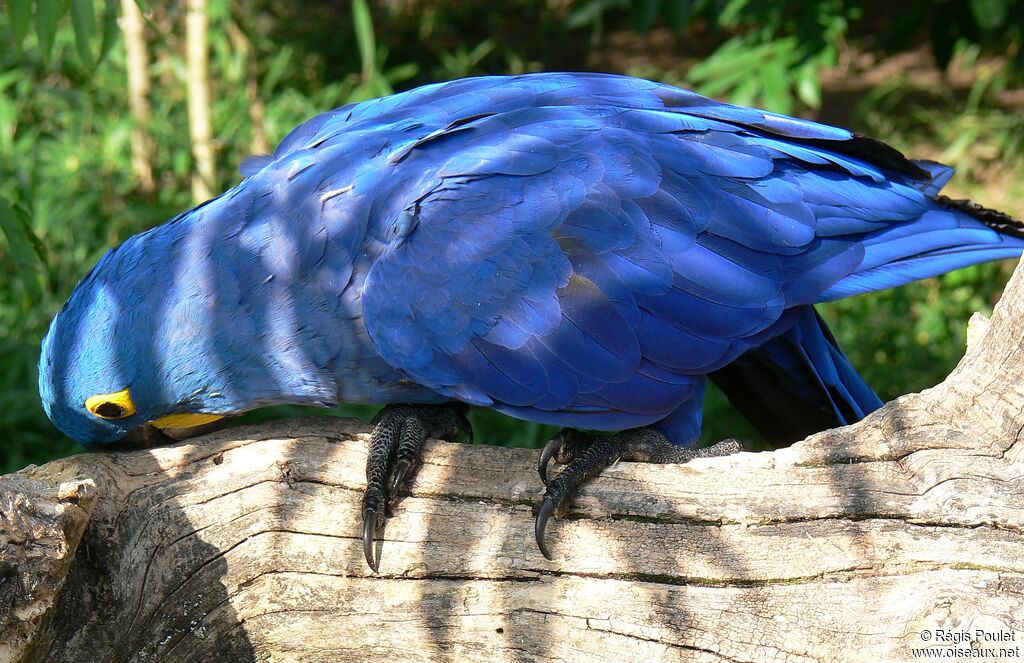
[117,114]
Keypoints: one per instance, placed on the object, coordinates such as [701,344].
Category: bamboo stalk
[240,42]
[200,124]
[133,26]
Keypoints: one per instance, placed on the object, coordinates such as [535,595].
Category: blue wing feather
[578,249]
[797,383]
[584,248]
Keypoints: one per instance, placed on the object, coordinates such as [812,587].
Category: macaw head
[233,305]
[209,315]
[102,372]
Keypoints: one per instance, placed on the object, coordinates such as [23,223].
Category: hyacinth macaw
[574,249]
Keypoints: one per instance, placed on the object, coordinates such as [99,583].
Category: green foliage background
[67,192]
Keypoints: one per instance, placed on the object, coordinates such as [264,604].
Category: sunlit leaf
[732,11]
[746,93]
[729,66]
[775,87]
[219,10]
[363,22]
[481,51]
[589,12]
[402,72]
[808,85]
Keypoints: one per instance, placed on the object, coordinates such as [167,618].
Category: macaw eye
[110,411]
[117,405]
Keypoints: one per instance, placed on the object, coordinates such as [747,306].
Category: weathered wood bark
[862,543]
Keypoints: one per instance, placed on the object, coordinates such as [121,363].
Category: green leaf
[990,14]
[110,29]
[26,251]
[678,13]
[276,69]
[746,93]
[808,85]
[9,78]
[22,216]
[588,13]
[482,50]
[730,16]
[643,13]
[365,39]
[730,64]
[402,72]
[48,13]
[775,86]
[20,12]
[83,18]
[220,10]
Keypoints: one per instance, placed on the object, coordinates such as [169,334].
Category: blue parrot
[581,250]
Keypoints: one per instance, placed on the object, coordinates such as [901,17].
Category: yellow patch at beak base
[116,405]
[185,420]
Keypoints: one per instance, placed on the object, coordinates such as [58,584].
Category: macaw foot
[586,455]
[395,444]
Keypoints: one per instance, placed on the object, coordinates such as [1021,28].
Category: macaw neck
[262,306]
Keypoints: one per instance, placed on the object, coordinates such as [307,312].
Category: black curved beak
[143,437]
[148,435]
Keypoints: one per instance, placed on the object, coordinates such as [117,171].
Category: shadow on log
[862,543]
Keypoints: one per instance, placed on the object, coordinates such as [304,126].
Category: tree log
[863,543]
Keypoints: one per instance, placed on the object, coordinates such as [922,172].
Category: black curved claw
[369,527]
[402,467]
[547,507]
[547,453]
[586,456]
[395,445]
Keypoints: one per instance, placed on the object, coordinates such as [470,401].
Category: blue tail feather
[797,383]
[951,235]
[940,172]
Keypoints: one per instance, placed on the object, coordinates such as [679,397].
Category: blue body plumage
[575,249]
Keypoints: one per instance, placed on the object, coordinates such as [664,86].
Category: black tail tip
[1001,222]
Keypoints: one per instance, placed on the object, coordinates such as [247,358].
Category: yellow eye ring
[116,405]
